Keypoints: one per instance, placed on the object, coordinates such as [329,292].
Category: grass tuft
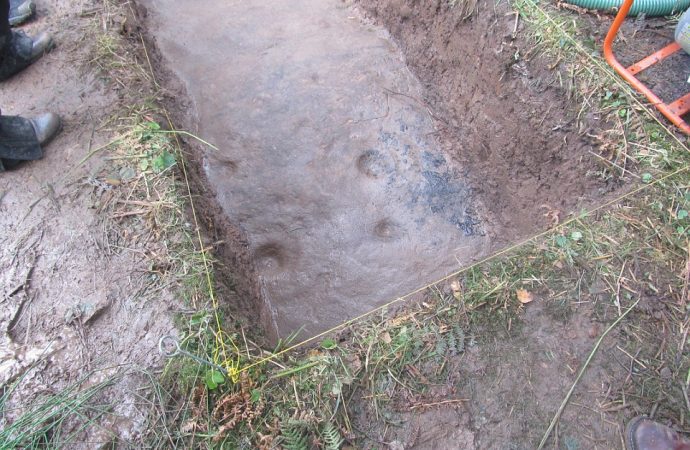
[57,420]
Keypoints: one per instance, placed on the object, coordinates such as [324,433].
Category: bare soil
[513,131]
[506,387]
[524,153]
[640,38]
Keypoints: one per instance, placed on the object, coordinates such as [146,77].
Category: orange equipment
[674,110]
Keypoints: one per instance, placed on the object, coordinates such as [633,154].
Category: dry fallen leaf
[353,363]
[397,321]
[457,289]
[386,337]
[552,215]
[524,296]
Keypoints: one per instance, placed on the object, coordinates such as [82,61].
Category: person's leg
[21,139]
[17,50]
[4,17]
[5,32]
[17,141]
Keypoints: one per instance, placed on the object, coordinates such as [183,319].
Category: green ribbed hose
[651,8]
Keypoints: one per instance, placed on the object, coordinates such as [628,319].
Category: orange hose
[630,78]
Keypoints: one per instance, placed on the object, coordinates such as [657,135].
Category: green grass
[57,420]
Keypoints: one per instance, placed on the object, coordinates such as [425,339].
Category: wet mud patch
[352,178]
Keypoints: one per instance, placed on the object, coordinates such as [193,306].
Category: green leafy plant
[294,435]
[331,436]
[156,155]
[213,379]
[162,161]
[328,344]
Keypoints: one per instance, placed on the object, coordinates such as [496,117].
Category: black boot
[20,11]
[21,139]
[19,51]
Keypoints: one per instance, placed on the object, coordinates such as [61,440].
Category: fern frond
[331,436]
[294,435]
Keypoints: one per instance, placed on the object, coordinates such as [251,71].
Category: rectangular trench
[329,158]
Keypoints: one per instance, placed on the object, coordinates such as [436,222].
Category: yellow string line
[234,368]
[220,349]
[465,269]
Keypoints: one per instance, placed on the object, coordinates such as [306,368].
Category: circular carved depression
[386,229]
[270,257]
[374,164]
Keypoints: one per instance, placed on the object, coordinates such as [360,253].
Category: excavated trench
[351,181]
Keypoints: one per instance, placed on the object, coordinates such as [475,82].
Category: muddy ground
[502,115]
[80,295]
[79,298]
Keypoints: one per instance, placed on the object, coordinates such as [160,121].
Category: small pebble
[665,373]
